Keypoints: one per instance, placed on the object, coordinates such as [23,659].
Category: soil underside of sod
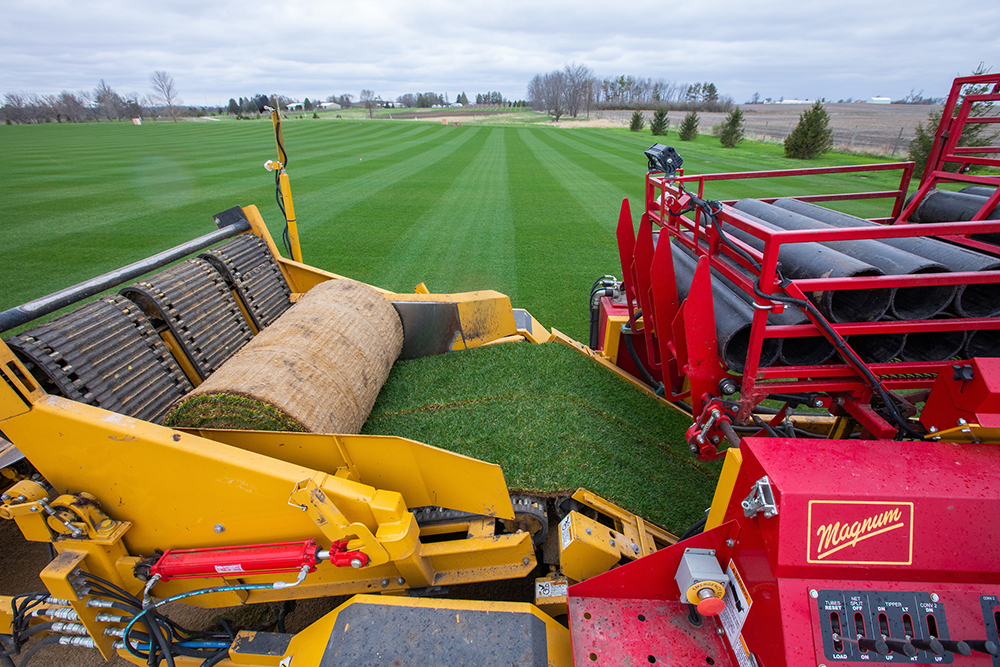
[554,421]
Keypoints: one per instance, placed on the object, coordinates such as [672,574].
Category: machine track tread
[194,302]
[251,271]
[106,354]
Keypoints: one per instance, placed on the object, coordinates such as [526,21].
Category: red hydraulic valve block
[701,581]
[251,559]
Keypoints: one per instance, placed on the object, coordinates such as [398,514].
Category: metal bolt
[400,581]
[21,498]
[711,552]
[817,402]
[935,597]
[715,439]
[693,448]
[720,631]
[219,528]
[933,429]
[840,400]
[588,531]
[4,497]
[730,543]
[635,548]
[813,593]
[356,563]
[385,583]
[34,508]
[962,422]
[525,560]
[612,543]
[821,665]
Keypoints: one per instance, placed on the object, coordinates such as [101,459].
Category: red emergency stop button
[711,606]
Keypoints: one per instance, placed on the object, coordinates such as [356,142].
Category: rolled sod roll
[317,368]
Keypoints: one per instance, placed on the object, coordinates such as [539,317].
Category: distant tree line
[102,103]
[575,88]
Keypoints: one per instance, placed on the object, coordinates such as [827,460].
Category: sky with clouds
[217,49]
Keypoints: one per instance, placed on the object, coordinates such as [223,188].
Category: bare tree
[554,92]
[369,101]
[109,103]
[578,80]
[165,90]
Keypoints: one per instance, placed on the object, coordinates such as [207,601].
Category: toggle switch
[984,646]
[900,646]
[958,647]
[932,645]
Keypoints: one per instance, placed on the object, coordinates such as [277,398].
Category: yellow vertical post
[286,189]
[293,230]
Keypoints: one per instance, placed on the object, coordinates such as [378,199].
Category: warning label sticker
[550,589]
[734,615]
[564,531]
[738,601]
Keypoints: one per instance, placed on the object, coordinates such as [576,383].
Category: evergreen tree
[974,134]
[660,122]
[732,128]
[307,105]
[689,126]
[812,136]
[637,121]
[234,107]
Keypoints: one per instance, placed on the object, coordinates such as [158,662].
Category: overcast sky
[217,49]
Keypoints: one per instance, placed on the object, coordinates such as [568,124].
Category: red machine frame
[680,340]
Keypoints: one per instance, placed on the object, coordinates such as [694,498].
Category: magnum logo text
[860,532]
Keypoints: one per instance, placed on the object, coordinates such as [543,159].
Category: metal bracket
[760,498]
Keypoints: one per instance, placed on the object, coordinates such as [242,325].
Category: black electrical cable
[283,158]
[711,210]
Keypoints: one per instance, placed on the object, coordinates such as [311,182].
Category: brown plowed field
[869,128]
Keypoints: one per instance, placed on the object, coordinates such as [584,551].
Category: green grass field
[526,210]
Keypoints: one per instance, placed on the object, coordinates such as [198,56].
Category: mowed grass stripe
[376,171]
[561,247]
[362,220]
[465,240]
[578,174]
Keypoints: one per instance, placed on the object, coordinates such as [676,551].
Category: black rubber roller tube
[908,303]
[732,317]
[969,301]
[812,260]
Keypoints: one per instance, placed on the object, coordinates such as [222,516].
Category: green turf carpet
[554,421]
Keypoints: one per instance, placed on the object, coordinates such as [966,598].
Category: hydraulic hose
[650,380]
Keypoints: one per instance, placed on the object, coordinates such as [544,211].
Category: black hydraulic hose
[5,660]
[42,643]
[216,658]
[698,527]
[767,427]
[165,646]
[650,380]
[599,284]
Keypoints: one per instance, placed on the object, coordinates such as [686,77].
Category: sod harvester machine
[854,520]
